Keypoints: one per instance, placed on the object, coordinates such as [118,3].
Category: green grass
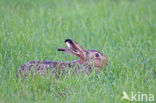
[124,30]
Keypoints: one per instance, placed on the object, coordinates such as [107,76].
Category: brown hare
[88,59]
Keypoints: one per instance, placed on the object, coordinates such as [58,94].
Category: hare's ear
[67,50]
[76,49]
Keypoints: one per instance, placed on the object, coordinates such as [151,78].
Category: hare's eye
[96,55]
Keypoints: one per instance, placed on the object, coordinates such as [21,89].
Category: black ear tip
[68,40]
[59,49]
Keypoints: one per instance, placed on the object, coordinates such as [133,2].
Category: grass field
[124,30]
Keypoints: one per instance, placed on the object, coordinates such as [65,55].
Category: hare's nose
[105,62]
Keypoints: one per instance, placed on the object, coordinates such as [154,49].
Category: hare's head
[93,57]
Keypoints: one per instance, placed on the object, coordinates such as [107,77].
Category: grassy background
[124,30]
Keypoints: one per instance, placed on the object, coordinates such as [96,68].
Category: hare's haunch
[88,59]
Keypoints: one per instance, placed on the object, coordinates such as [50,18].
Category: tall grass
[124,30]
